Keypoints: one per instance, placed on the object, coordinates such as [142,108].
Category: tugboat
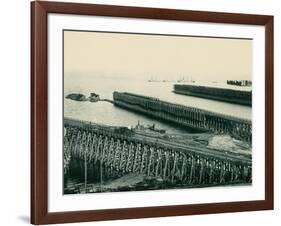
[149,128]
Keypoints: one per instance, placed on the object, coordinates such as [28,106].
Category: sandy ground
[213,141]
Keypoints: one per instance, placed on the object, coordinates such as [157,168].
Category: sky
[156,56]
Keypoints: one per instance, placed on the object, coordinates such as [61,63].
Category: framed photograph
[149,112]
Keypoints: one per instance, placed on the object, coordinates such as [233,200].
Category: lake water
[107,113]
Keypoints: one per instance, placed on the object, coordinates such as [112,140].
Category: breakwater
[221,94]
[186,116]
[122,152]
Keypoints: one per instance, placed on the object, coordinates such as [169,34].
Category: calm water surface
[107,113]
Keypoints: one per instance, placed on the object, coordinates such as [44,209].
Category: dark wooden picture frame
[39,112]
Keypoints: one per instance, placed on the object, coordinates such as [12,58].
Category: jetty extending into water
[123,151]
[191,117]
[222,94]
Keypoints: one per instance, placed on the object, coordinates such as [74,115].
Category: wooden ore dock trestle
[234,96]
[191,117]
[129,152]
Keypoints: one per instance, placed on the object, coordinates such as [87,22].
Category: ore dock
[123,152]
[190,117]
[222,94]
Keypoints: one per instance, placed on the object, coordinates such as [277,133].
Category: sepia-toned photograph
[154,111]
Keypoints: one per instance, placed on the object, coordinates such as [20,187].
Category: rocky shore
[81,97]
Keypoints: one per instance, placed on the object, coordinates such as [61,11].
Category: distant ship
[183,80]
[153,79]
[180,80]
